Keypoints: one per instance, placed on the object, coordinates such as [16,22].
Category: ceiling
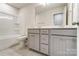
[39,7]
[20,5]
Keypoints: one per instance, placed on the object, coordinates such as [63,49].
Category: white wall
[26,19]
[70,17]
[45,19]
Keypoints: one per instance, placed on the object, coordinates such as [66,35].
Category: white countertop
[56,27]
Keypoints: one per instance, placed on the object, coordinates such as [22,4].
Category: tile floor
[14,51]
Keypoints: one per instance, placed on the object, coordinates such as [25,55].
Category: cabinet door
[34,41]
[31,41]
[61,46]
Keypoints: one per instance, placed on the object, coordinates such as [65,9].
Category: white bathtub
[9,40]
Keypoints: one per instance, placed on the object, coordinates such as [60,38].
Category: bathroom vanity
[53,41]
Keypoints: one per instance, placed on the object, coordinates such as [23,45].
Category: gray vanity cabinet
[54,41]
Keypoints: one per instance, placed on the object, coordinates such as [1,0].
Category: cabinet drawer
[44,39]
[64,32]
[44,31]
[44,48]
[33,30]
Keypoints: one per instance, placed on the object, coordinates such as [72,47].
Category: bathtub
[9,40]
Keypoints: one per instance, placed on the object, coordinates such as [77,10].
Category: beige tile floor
[14,51]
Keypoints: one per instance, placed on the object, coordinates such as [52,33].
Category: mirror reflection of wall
[58,19]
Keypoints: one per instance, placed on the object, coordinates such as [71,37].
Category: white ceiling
[39,7]
[20,5]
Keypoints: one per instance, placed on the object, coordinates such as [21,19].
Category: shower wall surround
[8,24]
[8,20]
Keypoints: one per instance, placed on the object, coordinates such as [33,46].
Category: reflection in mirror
[58,19]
